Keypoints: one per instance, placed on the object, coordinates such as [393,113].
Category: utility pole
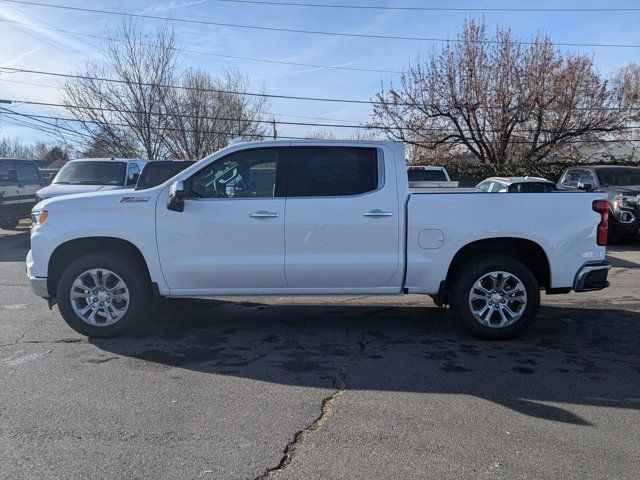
[275,131]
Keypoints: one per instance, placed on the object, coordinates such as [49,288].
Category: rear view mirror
[177,194]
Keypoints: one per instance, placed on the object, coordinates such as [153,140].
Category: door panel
[30,183]
[216,244]
[231,232]
[340,242]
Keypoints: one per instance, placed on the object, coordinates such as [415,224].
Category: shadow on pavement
[14,244]
[570,356]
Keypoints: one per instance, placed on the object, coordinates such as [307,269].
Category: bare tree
[210,111]
[356,134]
[498,99]
[321,134]
[14,148]
[626,83]
[128,116]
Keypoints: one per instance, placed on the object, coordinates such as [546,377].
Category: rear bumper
[592,276]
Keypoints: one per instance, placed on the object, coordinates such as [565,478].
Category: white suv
[93,174]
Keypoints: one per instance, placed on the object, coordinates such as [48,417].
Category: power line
[430,9]
[32,35]
[617,140]
[261,95]
[301,31]
[211,54]
[182,87]
[355,123]
[438,130]
[56,126]
[29,83]
[46,127]
[181,115]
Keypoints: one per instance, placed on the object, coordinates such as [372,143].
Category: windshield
[156,173]
[420,175]
[617,177]
[92,173]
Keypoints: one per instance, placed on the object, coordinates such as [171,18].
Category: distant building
[622,151]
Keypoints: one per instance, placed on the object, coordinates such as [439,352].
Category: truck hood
[102,199]
[624,189]
[57,189]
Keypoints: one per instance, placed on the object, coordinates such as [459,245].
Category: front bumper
[591,277]
[38,284]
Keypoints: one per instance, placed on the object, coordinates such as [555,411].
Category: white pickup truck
[313,218]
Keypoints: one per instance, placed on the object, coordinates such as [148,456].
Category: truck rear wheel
[102,294]
[495,297]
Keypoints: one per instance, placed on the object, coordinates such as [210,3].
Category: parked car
[516,185]
[49,173]
[92,175]
[159,171]
[351,226]
[19,181]
[429,177]
[622,185]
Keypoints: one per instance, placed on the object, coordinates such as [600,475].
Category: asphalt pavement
[305,388]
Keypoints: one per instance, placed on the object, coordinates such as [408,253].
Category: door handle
[377,213]
[263,214]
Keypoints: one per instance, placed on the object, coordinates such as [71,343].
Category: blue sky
[39,49]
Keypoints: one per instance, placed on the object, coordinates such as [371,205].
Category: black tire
[9,223]
[470,273]
[126,268]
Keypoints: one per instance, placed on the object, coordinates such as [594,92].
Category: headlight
[38,217]
[625,201]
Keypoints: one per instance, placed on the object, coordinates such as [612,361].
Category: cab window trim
[380,166]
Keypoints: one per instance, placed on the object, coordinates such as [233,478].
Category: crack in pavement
[326,412]
[301,435]
[18,340]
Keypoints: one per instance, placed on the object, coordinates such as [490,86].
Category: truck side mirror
[177,194]
[585,186]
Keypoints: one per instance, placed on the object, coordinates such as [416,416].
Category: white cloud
[168,6]
[20,57]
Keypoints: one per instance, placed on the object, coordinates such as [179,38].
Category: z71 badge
[134,199]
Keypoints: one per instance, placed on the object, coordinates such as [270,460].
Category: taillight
[602,207]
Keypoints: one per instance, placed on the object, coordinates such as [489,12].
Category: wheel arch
[530,253]
[70,250]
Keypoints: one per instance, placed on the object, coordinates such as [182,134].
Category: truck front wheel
[495,296]
[102,294]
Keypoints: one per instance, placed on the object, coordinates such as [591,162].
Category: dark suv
[622,185]
[19,181]
[159,171]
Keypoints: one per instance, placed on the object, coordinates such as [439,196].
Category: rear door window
[573,177]
[426,175]
[27,173]
[331,171]
[6,166]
